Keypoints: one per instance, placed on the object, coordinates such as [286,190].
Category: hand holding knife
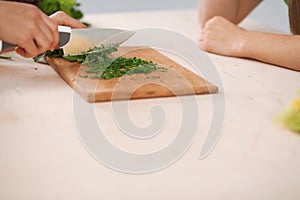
[64,34]
[77,40]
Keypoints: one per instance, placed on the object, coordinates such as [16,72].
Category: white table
[41,156]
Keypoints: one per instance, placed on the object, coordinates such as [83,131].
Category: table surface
[42,157]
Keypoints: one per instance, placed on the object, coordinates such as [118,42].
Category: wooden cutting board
[172,80]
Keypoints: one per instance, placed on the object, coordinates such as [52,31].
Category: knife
[74,41]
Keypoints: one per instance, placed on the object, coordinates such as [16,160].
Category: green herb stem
[5,57]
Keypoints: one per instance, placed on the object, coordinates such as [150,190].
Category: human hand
[220,36]
[27,27]
[30,29]
[61,18]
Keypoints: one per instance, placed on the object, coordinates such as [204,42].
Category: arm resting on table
[233,10]
[222,37]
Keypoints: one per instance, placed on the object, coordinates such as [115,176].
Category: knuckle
[215,20]
[60,14]
[206,45]
[44,46]
[41,50]
[209,24]
[32,27]
[53,29]
[34,14]
[206,34]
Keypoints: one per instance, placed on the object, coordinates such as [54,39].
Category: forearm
[282,50]
[233,10]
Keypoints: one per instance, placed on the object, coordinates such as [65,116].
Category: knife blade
[74,41]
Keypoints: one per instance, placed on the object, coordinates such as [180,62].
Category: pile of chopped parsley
[103,66]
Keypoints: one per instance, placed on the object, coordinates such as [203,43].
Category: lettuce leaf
[71,7]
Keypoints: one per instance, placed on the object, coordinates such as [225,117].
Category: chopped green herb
[155,77]
[6,57]
[101,65]
[95,77]
[162,69]
[82,76]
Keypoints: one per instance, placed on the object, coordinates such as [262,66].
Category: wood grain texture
[175,81]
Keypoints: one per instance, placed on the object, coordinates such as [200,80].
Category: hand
[27,27]
[61,18]
[30,29]
[220,36]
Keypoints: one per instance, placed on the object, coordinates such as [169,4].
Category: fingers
[50,30]
[34,32]
[28,27]
[39,40]
[205,42]
[39,32]
[212,34]
[221,36]
[41,36]
[47,36]
[28,46]
[61,18]
[29,50]
[23,52]
[204,37]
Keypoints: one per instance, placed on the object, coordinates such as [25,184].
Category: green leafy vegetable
[101,65]
[71,7]
[57,53]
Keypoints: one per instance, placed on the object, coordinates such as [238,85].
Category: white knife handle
[64,35]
